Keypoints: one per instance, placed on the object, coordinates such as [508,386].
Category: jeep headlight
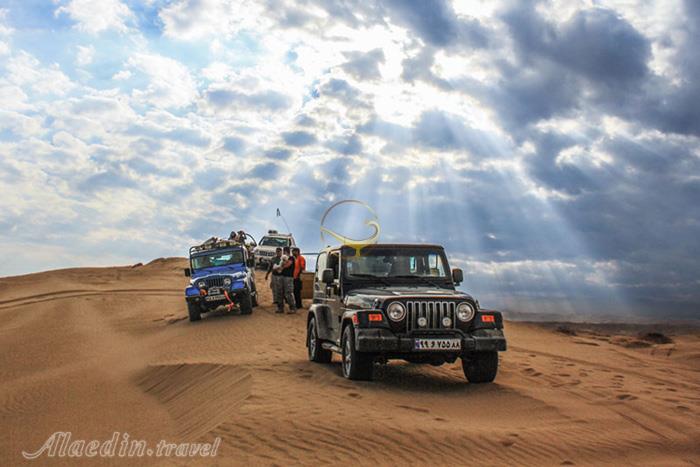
[201,284]
[465,311]
[227,281]
[396,311]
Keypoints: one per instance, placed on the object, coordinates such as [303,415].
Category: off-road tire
[194,311]
[355,365]
[316,353]
[480,367]
[246,304]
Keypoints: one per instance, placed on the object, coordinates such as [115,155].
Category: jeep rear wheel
[480,367]
[316,353]
[194,311]
[356,365]
[246,304]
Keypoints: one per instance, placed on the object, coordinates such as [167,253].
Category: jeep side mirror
[251,262]
[457,276]
[187,272]
[327,276]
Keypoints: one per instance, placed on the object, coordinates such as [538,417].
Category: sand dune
[98,350]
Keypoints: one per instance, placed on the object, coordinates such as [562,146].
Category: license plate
[214,298]
[437,344]
[215,291]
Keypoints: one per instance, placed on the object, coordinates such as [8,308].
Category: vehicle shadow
[400,376]
[222,313]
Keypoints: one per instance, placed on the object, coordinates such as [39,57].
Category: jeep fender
[320,312]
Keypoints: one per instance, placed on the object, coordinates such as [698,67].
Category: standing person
[275,283]
[287,283]
[299,267]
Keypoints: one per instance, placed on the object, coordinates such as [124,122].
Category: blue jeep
[221,274]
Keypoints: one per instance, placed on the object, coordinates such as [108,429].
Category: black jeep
[398,301]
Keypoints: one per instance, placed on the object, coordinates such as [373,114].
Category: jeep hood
[219,270]
[366,297]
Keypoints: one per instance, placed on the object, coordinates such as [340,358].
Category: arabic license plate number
[214,298]
[437,344]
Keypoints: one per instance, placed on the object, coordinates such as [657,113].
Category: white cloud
[170,83]
[4,29]
[121,75]
[26,71]
[84,55]
[95,16]
[193,19]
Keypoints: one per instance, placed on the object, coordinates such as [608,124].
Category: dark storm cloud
[436,23]
[433,21]
[265,171]
[640,210]
[419,68]
[596,43]
[364,66]
[298,138]
[439,130]
[288,16]
[561,176]
[343,91]
[672,107]
[234,144]
[105,180]
[278,153]
[528,96]
[435,130]
[347,146]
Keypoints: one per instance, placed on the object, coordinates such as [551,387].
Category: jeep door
[334,294]
[323,301]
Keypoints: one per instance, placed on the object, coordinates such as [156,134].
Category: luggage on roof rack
[214,243]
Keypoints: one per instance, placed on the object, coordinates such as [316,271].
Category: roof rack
[214,243]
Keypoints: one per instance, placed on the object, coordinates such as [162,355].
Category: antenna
[279,214]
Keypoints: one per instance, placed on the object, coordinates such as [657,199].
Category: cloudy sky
[552,146]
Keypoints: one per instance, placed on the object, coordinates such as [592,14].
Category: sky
[552,146]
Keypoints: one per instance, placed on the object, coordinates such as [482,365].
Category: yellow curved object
[358,244]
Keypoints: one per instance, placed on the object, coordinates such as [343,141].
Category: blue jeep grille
[214,282]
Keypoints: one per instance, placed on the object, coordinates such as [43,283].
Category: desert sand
[98,350]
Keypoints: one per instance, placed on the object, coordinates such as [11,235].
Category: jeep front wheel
[316,353]
[480,367]
[246,304]
[254,299]
[194,311]
[356,365]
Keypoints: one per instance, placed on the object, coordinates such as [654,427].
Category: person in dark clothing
[287,283]
[299,267]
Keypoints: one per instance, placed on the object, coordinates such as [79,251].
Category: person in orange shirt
[299,267]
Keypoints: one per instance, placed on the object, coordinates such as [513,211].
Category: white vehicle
[267,245]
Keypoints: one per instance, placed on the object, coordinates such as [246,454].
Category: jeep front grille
[214,282]
[433,312]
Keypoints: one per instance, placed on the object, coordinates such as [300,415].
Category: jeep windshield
[405,264]
[274,241]
[217,258]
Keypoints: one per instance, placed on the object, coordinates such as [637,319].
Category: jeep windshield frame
[217,258]
[396,265]
[277,242]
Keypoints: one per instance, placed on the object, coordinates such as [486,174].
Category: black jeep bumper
[206,305]
[384,341]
